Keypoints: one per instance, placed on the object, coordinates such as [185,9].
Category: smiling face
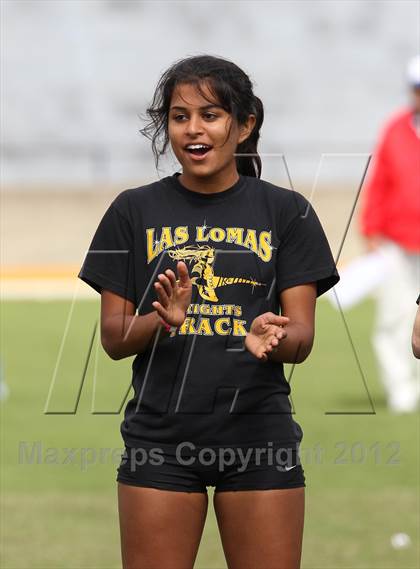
[195,120]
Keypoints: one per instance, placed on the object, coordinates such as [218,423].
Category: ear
[246,129]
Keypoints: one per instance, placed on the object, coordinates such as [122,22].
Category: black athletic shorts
[187,467]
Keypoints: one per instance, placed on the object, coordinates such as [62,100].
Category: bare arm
[415,339]
[298,304]
[123,333]
[287,338]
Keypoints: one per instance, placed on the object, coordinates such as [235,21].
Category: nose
[194,124]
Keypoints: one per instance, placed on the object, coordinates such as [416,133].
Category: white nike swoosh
[287,468]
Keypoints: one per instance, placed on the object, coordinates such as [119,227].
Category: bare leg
[261,529]
[160,529]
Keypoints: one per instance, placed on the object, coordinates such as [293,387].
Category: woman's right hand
[174,296]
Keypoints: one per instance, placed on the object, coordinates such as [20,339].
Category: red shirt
[391,199]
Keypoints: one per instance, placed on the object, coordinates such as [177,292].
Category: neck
[212,184]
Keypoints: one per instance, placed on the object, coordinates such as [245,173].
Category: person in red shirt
[415,338]
[389,221]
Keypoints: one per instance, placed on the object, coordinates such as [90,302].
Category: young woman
[207,258]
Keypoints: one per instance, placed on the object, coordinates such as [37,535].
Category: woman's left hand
[265,334]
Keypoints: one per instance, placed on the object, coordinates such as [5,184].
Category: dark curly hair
[231,87]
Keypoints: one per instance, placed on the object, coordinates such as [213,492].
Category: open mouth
[198,150]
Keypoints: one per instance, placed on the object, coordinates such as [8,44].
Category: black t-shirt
[242,247]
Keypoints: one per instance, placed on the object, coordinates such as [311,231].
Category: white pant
[395,312]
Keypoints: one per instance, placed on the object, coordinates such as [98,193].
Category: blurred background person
[415,338]
[390,222]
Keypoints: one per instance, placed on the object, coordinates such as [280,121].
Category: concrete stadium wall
[76,75]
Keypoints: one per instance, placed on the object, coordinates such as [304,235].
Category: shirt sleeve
[109,262]
[304,254]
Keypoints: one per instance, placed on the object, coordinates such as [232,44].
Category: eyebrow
[200,108]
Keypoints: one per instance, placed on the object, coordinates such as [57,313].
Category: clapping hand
[174,296]
[265,334]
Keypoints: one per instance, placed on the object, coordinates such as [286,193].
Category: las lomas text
[170,237]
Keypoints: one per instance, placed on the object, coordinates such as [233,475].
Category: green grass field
[361,469]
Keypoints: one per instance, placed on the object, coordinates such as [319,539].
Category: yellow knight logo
[206,281]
